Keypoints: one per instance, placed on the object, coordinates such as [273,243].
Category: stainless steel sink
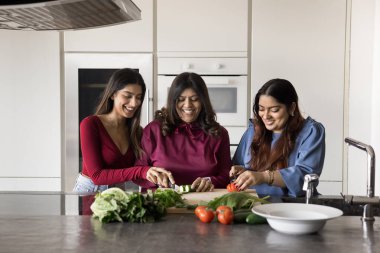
[336,201]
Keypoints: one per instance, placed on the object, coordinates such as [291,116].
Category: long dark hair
[169,117]
[118,81]
[263,158]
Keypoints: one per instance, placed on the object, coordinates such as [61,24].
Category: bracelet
[271,177]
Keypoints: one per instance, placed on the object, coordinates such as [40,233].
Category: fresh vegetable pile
[233,207]
[237,200]
[169,198]
[115,204]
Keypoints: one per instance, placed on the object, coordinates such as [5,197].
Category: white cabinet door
[304,42]
[202,25]
[30,149]
[135,36]
[364,108]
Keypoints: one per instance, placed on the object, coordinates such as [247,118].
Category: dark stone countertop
[176,233]
[55,222]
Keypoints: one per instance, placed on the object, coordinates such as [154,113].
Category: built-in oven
[86,75]
[226,80]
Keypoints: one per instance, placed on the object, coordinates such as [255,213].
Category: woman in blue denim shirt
[280,146]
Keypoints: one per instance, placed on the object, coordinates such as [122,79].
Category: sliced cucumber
[184,188]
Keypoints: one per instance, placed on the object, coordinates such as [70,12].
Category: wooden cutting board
[195,198]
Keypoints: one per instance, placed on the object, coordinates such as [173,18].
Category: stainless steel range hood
[65,14]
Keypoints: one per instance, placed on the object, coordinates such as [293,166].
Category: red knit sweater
[102,160]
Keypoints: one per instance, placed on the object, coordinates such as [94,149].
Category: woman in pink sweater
[185,138]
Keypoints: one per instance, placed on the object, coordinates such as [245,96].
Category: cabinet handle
[147,106]
[187,66]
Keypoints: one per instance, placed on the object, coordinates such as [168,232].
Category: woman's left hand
[202,184]
[249,178]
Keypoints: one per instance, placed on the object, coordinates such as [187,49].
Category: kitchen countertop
[69,232]
[176,233]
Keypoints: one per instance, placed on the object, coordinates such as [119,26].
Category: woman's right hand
[160,176]
[236,170]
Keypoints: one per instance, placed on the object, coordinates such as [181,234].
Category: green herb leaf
[236,200]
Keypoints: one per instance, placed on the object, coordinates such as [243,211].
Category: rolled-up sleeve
[307,158]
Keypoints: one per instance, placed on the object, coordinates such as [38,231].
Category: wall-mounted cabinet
[195,26]
[30,130]
[304,42]
[135,36]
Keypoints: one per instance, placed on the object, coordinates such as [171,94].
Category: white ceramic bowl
[296,218]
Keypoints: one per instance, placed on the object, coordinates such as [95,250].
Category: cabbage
[115,204]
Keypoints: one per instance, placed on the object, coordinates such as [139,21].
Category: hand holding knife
[235,171]
[160,176]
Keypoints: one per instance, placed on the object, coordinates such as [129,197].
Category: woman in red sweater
[110,139]
[185,138]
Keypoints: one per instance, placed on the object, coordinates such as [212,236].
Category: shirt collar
[193,129]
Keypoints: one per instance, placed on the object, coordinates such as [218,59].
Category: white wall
[364,110]
[30,147]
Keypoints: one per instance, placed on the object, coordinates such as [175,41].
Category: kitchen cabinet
[304,42]
[134,36]
[30,129]
[201,26]
[364,105]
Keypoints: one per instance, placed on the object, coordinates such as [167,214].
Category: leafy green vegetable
[108,205]
[115,204]
[237,200]
[169,198]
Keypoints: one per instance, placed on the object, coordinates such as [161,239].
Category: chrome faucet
[308,186]
[367,212]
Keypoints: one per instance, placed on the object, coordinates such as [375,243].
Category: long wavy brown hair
[168,115]
[263,156]
[118,81]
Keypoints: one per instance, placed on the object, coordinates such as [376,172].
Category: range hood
[65,14]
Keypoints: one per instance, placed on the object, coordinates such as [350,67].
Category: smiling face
[188,105]
[127,100]
[274,114]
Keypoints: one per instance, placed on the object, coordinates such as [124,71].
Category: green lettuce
[115,204]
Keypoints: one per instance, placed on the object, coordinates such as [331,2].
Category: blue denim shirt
[307,157]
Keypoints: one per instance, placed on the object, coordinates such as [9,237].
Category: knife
[174,187]
[233,178]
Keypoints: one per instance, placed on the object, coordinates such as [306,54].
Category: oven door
[228,96]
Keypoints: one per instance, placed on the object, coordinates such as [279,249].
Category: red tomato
[226,216]
[222,208]
[198,210]
[206,215]
[232,187]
